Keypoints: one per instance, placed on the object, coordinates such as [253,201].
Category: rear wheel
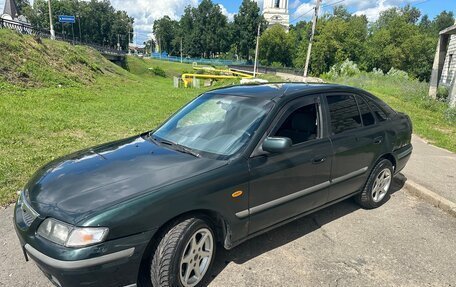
[184,255]
[375,192]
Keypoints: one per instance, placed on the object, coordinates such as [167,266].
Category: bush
[378,72]
[398,74]
[442,93]
[345,69]
[157,71]
[450,115]
[276,65]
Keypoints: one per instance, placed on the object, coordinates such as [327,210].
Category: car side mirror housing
[276,144]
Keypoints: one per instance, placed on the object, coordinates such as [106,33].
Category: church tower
[10,10]
[276,12]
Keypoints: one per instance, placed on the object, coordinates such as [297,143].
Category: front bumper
[114,263]
[115,269]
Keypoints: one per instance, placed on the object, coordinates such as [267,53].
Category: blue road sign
[67,19]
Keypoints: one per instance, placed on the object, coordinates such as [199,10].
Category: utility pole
[50,21]
[314,26]
[181,52]
[256,51]
[79,22]
[128,46]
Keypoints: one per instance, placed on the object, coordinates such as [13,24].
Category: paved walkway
[433,168]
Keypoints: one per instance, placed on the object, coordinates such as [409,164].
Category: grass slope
[30,62]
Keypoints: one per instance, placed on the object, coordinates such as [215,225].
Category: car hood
[71,187]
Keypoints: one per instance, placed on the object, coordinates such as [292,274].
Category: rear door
[357,142]
[290,183]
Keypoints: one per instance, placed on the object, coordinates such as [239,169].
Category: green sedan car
[152,209]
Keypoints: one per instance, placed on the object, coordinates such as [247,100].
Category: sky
[146,11]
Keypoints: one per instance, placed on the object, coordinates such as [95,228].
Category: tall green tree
[165,31]
[246,23]
[443,20]
[276,47]
[100,23]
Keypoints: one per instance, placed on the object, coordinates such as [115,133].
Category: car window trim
[329,126]
[285,109]
[360,98]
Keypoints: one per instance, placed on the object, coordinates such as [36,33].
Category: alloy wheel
[197,257]
[381,185]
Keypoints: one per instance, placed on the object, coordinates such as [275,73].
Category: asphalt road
[406,242]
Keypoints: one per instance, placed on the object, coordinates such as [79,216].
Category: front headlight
[71,236]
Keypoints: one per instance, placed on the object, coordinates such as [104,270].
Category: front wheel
[375,192]
[184,255]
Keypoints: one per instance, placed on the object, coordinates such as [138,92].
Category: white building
[444,68]
[10,10]
[276,12]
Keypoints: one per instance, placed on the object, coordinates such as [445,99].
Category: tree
[246,23]
[339,37]
[100,23]
[443,20]
[276,47]
[165,31]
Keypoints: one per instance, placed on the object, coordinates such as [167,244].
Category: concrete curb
[430,197]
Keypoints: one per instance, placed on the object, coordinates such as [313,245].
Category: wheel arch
[390,157]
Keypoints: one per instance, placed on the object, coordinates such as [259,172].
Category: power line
[334,3]
[302,15]
[312,9]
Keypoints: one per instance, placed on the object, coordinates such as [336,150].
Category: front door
[290,183]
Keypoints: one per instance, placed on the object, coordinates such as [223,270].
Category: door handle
[319,159]
[378,140]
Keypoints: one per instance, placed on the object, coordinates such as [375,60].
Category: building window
[276,3]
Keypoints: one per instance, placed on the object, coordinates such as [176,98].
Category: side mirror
[276,144]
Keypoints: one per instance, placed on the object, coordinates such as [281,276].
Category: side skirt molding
[273,203]
[234,244]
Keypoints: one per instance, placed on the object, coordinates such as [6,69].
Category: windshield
[215,124]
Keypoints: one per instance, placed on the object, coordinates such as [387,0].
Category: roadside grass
[432,120]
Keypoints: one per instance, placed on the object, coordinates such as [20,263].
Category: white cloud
[225,12]
[2,5]
[294,4]
[303,12]
[373,9]
[373,13]
[146,12]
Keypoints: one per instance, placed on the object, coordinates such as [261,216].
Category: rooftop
[276,90]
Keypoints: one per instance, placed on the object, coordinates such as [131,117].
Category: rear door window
[379,113]
[344,113]
[366,114]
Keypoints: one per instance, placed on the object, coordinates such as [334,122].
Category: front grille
[28,213]
[28,217]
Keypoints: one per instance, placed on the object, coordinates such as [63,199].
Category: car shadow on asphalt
[288,232]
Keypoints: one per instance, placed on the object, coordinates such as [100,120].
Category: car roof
[271,91]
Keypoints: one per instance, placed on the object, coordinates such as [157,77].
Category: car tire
[184,255]
[377,188]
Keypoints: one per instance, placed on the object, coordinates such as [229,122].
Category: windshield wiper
[176,146]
